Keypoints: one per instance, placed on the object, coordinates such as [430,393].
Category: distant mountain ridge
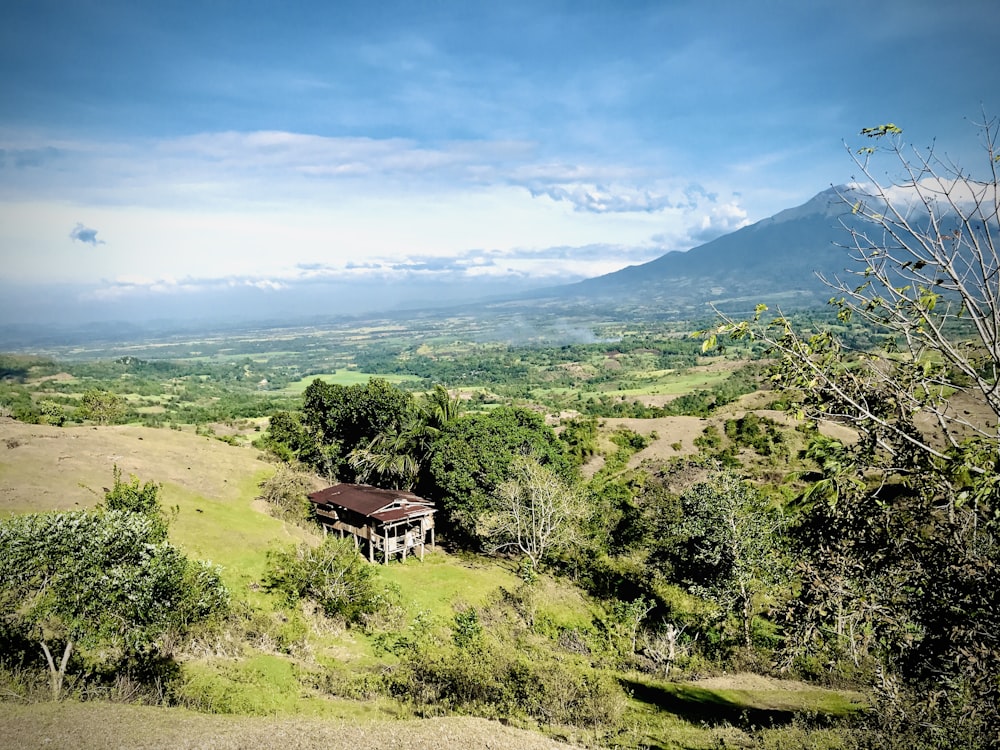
[775,260]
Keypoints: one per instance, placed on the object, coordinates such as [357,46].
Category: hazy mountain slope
[774,260]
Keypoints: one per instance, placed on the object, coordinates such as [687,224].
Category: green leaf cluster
[333,575]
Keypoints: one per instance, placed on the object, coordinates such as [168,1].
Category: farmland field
[345,377]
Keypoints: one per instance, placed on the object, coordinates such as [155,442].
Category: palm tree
[388,459]
[395,457]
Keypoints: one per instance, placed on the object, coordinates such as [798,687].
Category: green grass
[271,685]
[693,716]
[262,684]
[441,580]
[230,533]
[344,377]
[770,703]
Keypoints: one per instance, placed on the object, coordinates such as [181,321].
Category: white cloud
[604,199]
[270,203]
[965,194]
[721,219]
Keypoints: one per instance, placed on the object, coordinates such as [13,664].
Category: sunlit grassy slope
[344,377]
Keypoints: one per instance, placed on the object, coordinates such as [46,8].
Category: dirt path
[96,726]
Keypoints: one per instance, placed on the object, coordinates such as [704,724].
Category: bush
[332,575]
[286,492]
[710,439]
[500,680]
[760,434]
[102,587]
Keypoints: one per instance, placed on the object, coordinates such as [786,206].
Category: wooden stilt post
[385,549]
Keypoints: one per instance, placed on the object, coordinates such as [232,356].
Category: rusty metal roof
[399,514]
[383,505]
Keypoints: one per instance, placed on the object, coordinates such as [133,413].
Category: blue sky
[176,149]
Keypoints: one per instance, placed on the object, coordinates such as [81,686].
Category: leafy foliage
[289,439]
[580,437]
[102,406]
[341,419]
[757,433]
[332,575]
[898,541]
[136,497]
[473,457]
[106,582]
[730,548]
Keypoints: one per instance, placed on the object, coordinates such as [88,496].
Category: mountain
[773,261]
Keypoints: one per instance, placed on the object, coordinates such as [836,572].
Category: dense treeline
[498,364]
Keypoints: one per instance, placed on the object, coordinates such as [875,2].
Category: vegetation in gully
[802,553]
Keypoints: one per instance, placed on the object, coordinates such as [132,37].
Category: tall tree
[398,457]
[535,512]
[730,547]
[341,419]
[912,548]
[473,456]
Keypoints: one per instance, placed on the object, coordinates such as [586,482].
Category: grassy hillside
[281,662]
[48,468]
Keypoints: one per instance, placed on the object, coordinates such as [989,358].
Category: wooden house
[388,521]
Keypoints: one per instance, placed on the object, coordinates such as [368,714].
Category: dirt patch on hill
[714,364]
[95,726]
[56,468]
[675,436]
[59,377]
[747,681]
[656,399]
[670,432]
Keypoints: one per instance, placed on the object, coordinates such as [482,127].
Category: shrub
[467,631]
[286,492]
[502,680]
[710,439]
[333,575]
[104,586]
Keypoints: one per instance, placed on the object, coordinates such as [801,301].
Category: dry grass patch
[60,468]
[669,431]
